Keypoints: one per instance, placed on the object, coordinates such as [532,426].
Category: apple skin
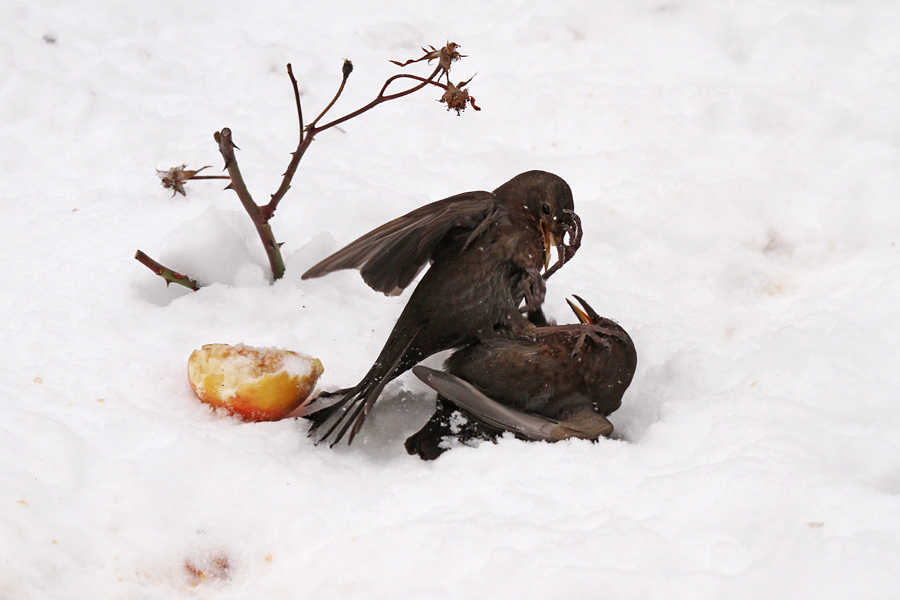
[255,384]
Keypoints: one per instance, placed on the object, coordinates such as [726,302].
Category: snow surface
[736,167]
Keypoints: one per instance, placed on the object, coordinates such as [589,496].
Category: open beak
[587,315]
[582,316]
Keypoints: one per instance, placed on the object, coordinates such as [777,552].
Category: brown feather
[391,256]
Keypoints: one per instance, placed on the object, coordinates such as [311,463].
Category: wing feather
[390,256]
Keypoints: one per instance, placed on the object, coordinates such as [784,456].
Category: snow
[736,168]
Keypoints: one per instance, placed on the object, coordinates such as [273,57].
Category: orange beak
[582,316]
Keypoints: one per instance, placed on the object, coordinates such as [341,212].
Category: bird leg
[446,423]
[534,290]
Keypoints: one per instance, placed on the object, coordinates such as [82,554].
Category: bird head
[544,201]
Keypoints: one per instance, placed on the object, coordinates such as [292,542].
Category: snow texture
[737,169]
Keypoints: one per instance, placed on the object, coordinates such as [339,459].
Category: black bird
[562,382]
[486,251]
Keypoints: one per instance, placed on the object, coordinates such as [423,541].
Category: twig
[347,69]
[308,133]
[272,248]
[166,273]
[262,214]
[268,211]
[382,98]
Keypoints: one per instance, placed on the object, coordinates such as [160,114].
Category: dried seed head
[445,56]
[174,178]
[457,97]
[449,54]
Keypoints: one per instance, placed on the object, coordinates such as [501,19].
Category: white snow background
[737,169]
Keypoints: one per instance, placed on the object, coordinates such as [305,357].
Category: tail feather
[352,405]
[355,405]
[354,419]
[318,419]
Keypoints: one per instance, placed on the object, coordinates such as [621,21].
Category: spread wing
[390,256]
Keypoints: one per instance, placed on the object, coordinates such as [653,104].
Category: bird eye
[546,208]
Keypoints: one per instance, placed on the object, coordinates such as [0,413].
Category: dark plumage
[486,251]
[562,382]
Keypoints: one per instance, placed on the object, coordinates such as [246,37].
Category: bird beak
[549,242]
[587,315]
[582,316]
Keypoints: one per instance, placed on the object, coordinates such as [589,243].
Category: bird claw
[591,332]
[575,233]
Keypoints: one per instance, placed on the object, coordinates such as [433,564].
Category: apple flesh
[256,384]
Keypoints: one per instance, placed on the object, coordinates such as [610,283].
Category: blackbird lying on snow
[486,251]
[561,383]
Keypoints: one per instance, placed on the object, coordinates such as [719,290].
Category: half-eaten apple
[256,384]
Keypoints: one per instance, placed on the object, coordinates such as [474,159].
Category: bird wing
[585,424]
[468,397]
[390,256]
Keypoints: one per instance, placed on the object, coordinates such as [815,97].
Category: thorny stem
[308,133]
[381,98]
[268,211]
[166,273]
[272,248]
[333,100]
[296,98]
[260,215]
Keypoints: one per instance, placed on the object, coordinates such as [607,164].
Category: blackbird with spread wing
[486,251]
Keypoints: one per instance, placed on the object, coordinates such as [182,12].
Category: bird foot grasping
[589,332]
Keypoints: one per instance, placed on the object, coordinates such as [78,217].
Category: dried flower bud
[457,97]
[174,178]
[446,55]
[449,54]
[347,68]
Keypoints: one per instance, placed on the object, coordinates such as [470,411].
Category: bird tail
[350,412]
[341,415]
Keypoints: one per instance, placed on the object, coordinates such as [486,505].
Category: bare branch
[166,273]
[347,69]
[382,98]
[272,248]
[268,211]
[456,97]
[296,98]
